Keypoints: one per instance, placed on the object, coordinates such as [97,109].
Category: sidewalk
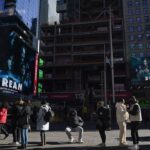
[57,140]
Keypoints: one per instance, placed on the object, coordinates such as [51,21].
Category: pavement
[57,140]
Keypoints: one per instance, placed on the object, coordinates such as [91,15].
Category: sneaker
[101,145]
[80,141]
[71,140]
[17,143]
[134,147]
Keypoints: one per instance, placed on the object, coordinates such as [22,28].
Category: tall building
[72,64]
[17,55]
[137,35]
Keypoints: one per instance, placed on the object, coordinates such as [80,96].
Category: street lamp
[111,56]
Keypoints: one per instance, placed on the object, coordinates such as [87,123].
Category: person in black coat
[23,122]
[103,121]
[75,123]
[15,127]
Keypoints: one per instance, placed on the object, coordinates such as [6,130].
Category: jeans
[76,129]
[16,134]
[24,136]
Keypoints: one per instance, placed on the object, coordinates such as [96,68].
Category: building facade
[17,55]
[75,51]
[27,10]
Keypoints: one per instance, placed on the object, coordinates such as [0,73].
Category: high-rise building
[137,35]
[75,51]
[17,55]
[27,10]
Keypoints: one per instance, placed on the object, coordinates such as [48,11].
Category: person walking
[135,118]
[23,122]
[75,124]
[42,124]
[122,116]
[3,118]
[14,120]
[103,120]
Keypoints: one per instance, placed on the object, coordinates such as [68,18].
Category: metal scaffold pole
[111,54]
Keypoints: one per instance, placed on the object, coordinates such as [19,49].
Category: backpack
[48,115]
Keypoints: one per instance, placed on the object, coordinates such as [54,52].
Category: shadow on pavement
[7,147]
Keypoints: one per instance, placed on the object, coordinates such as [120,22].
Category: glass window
[131,28]
[131,37]
[147,28]
[137,3]
[145,3]
[146,18]
[131,20]
[137,11]
[130,3]
[1,5]
[140,45]
[132,46]
[148,45]
[140,37]
[130,12]
[139,19]
[145,11]
[139,28]
[148,36]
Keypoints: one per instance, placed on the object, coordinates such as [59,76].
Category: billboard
[140,68]
[17,63]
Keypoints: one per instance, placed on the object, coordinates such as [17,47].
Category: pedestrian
[23,122]
[3,119]
[135,118]
[75,124]
[14,120]
[102,121]
[122,116]
[42,124]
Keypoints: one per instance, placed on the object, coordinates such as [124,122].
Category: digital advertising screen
[17,63]
[140,68]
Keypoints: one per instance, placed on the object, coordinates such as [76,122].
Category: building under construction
[75,61]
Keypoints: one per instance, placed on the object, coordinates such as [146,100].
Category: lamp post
[105,78]
[111,55]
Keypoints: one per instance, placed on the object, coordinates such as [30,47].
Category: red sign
[35,75]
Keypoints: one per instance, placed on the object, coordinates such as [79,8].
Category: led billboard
[140,68]
[17,63]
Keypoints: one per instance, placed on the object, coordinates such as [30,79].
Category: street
[57,140]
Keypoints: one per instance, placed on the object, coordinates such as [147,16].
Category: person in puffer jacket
[3,119]
[42,125]
[122,117]
[135,116]
[75,123]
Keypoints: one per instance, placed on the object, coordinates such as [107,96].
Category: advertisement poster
[140,68]
[17,63]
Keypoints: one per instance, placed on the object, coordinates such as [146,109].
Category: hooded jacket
[41,123]
[121,112]
[74,120]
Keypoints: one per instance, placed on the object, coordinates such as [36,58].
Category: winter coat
[23,116]
[41,123]
[74,120]
[121,112]
[103,118]
[3,115]
[135,112]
